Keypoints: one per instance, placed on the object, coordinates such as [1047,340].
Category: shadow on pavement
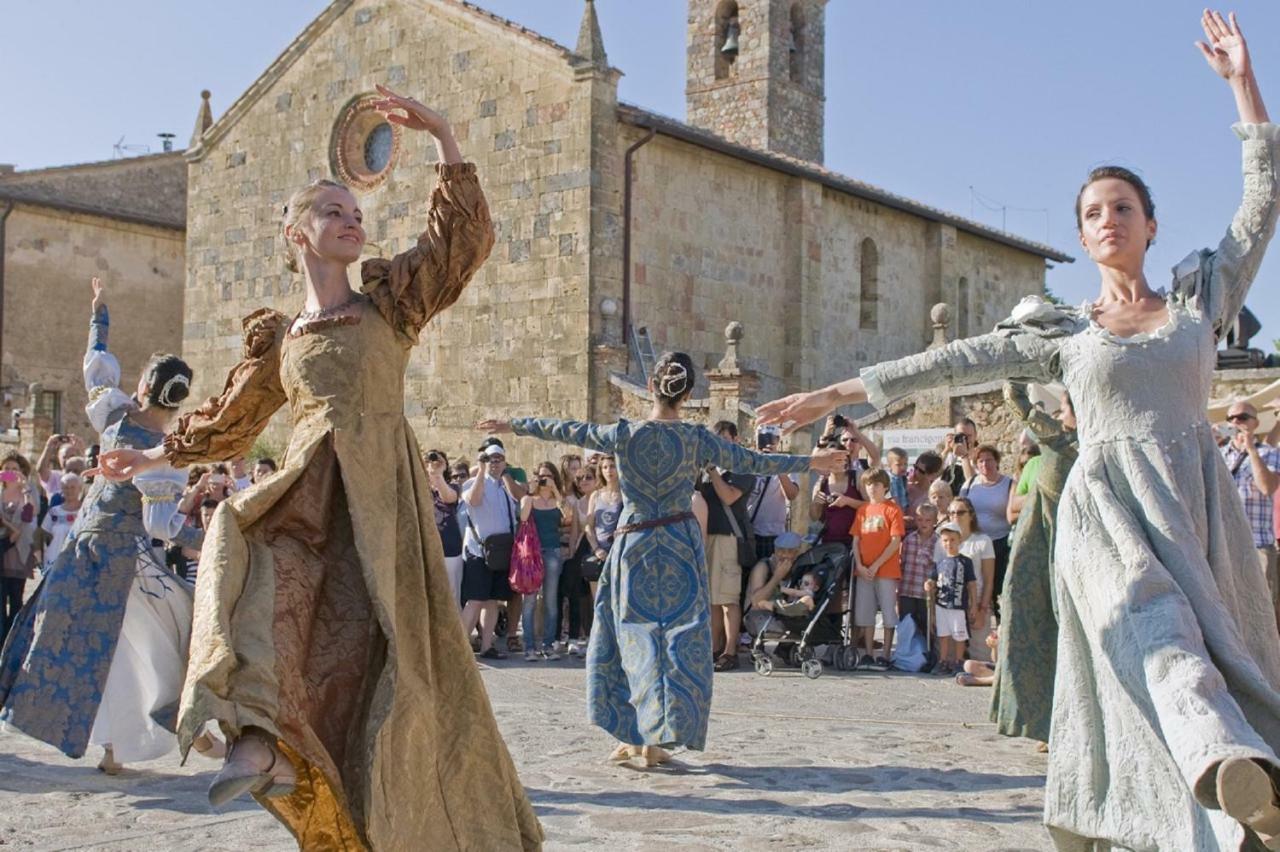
[836,779]
[654,802]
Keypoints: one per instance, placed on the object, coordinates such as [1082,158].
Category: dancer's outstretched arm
[1236,261]
[224,426]
[414,286]
[590,436]
[107,402]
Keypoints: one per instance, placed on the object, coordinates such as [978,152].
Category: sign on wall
[914,441]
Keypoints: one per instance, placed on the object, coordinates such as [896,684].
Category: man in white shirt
[491,510]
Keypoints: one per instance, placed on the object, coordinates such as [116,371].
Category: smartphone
[8,476]
[218,479]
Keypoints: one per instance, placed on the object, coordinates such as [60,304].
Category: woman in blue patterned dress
[649,659]
[101,645]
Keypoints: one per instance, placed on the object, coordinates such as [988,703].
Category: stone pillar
[940,315]
[33,431]
[731,384]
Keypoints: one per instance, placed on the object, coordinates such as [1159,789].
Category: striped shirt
[1258,507]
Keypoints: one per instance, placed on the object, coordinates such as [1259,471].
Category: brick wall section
[517,341]
[49,258]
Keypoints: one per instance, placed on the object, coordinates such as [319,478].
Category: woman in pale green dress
[1166,701]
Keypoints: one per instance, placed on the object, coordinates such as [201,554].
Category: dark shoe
[880,664]
[242,774]
[493,654]
[727,662]
[866,663]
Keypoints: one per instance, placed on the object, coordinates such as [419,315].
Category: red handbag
[527,569]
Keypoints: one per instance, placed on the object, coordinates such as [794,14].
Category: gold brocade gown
[323,613]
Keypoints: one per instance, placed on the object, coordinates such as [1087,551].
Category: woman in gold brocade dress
[326,640]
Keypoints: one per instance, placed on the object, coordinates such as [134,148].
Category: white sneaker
[575,649]
[550,654]
[531,657]
[561,647]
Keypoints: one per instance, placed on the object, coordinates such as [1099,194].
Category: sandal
[1246,794]
[623,753]
[655,755]
[726,662]
[240,775]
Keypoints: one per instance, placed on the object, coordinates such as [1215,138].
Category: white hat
[494,450]
[950,526]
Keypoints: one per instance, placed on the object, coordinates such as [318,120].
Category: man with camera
[958,454]
[491,510]
[729,549]
[1255,467]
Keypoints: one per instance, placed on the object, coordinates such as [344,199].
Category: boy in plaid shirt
[917,566]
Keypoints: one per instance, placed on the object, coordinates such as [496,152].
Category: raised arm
[225,426]
[1231,269]
[712,449]
[107,403]
[411,288]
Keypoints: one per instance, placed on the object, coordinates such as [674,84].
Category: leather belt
[656,522]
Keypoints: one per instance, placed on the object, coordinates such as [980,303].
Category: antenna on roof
[166,139]
[122,150]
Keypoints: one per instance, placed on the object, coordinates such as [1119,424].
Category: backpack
[527,569]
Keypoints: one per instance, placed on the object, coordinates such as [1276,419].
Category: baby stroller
[791,639]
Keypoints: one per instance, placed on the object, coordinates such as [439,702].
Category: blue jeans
[551,564]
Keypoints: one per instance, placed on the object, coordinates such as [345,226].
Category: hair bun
[174,391]
[673,379]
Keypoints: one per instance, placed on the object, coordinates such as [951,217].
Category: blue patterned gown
[55,662]
[649,663]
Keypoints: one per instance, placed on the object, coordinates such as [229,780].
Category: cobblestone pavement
[847,761]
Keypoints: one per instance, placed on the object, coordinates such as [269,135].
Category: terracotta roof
[639,117]
[150,189]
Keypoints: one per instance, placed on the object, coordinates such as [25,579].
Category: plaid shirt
[1258,507]
[917,564]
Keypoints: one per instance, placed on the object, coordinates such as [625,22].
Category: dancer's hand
[801,409]
[1226,50]
[99,289]
[406,112]
[118,465]
[828,461]
[494,427]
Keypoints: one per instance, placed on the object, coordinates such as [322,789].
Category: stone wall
[517,342]
[49,258]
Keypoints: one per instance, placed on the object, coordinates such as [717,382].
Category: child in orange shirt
[878,529]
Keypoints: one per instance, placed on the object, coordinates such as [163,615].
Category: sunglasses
[1240,418]
[958,512]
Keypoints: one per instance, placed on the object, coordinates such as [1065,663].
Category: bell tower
[755,73]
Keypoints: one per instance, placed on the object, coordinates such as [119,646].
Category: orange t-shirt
[873,526]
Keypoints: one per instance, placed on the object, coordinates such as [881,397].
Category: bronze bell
[730,47]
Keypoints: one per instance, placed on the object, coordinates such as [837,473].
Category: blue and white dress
[99,651]
[649,664]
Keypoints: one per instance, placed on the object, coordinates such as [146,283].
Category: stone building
[121,220]
[611,219]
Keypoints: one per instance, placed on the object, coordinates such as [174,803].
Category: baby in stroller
[791,596]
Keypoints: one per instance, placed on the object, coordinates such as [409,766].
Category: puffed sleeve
[225,426]
[161,491]
[412,287]
[590,436]
[1026,346]
[712,449]
[107,403]
[1217,282]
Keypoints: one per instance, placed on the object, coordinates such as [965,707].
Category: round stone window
[364,146]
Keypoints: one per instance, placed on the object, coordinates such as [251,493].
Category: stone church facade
[610,218]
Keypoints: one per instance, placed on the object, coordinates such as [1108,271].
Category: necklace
[322,313]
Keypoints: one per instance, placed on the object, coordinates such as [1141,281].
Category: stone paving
[847,761]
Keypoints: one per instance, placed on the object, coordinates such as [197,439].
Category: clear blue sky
[926,99]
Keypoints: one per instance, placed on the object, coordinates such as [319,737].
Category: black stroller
[791,639]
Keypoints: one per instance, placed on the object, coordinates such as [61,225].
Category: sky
[995,111]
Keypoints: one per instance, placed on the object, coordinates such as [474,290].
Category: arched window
[728,30]
[869,297]
[962,307]
[796,59]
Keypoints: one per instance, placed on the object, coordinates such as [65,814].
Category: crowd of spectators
[926,537]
